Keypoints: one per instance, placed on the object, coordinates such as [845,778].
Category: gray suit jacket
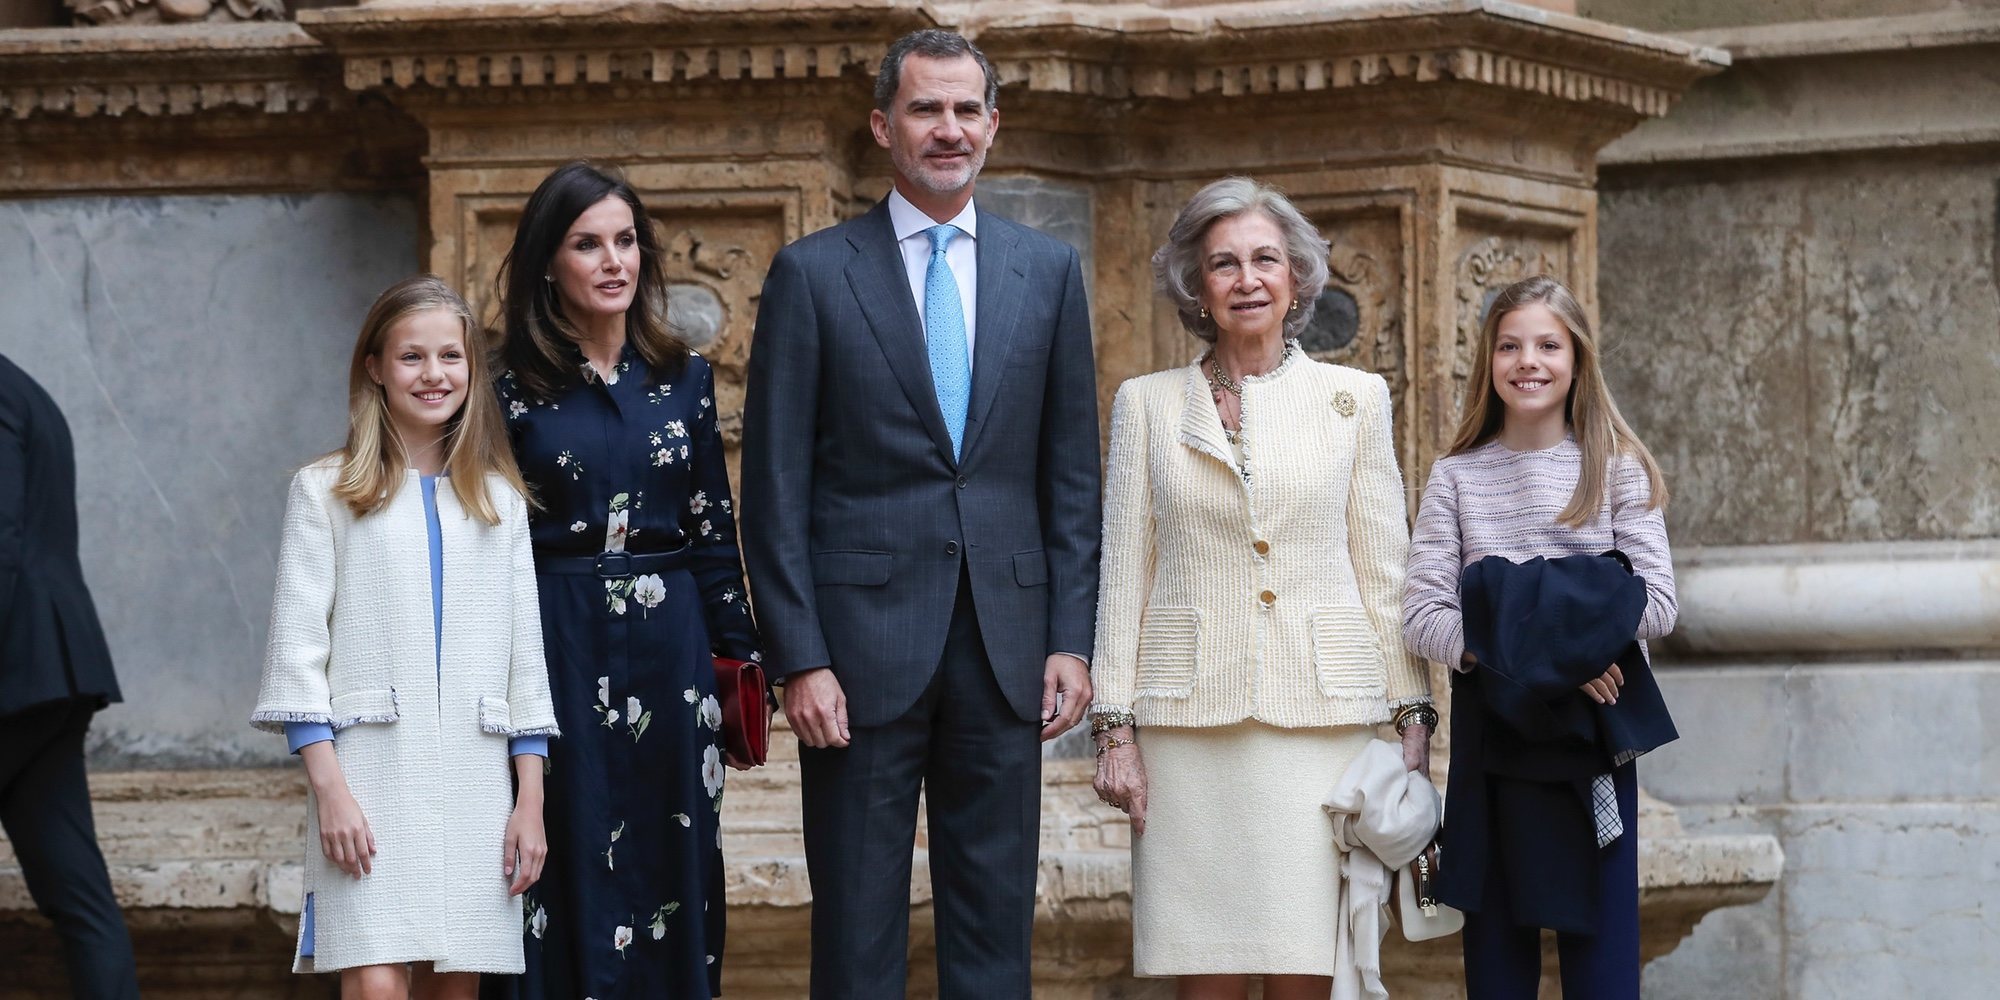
[856,520]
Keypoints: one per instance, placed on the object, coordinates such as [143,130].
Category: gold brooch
[1343,401]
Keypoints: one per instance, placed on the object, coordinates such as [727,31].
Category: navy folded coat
[1519,839]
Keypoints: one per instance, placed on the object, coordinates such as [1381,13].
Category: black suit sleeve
[13,494]
[779,415]
[1067,487]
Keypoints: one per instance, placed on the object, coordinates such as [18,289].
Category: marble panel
[1699,298]
[1891,900]
[1062,209]
[199,347]
[1809,348]
[1733,736]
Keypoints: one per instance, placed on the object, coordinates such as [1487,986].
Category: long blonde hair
[1600,430]
[373,464]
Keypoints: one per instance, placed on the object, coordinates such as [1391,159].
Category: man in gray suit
[920,518]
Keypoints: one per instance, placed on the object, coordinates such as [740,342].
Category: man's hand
[817,708]
[1065,694]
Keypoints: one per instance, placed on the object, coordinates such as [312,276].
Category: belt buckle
[614,566]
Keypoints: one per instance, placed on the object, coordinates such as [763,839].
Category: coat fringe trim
[274,722]
[512,733]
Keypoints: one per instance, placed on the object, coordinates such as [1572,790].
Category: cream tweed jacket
[1273,592]
[424,751]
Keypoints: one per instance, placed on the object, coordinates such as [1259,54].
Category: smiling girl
[405,667]
[1543,465]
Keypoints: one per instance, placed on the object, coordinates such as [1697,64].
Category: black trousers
[980,767]
[1503,960]
[45,807]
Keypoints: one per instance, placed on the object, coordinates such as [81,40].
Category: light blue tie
[944,330]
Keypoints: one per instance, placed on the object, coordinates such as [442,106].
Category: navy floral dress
[630,904]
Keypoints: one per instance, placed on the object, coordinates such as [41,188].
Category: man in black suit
[55,673]
[920,511]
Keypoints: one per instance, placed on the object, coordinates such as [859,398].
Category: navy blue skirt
[630,904]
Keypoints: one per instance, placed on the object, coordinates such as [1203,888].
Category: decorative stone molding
[1858,598]
[208,865]
[1886,83]
[97,12]
[266,69]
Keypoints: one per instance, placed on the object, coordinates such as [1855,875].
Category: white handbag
[1422,917]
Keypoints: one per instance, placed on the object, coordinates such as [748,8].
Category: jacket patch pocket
[1031,569]
[1346,653]
[852,566]
[358,707]
[1169,652]
[495,716]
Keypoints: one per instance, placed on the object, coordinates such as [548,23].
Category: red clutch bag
[746,711]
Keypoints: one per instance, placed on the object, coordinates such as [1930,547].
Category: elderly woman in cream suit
[1249,624]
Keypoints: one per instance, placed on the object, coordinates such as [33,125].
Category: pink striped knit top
[1492,501]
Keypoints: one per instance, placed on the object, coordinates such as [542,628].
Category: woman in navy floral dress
[614,424]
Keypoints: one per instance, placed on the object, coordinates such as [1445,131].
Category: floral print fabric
[631,904]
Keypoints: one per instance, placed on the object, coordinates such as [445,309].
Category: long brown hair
[373,463]
[537,340]
[1592,415]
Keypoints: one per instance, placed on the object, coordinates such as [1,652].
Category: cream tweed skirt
[1236,873]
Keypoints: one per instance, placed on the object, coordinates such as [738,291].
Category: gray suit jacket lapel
[1002,281]
[883,288]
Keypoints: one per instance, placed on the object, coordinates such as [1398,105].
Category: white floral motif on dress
[649,591]
[698,502]
[514,409]
[604,701]
[579,526]
[636,720]
[711,774]
[676,428]
[711,714]
[621,936]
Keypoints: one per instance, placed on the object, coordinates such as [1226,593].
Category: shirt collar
[910,220]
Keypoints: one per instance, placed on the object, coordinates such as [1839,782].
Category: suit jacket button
[951,548]
[1267,598]
[1263,547]
[961,482]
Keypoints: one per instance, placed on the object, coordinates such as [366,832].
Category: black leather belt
[612,565]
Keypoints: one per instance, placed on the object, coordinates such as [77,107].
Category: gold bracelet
[1113,742]
[1106,721]
[1419,714]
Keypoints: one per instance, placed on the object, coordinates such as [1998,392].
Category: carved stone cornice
[191,107]
[1100,51]
[421,50]
[271,69]
[1235,50]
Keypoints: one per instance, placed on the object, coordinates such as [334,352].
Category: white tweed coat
[1274,595]
[352,645]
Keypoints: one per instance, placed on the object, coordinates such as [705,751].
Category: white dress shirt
[913,238]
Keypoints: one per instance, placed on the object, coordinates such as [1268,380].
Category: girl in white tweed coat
[408,684]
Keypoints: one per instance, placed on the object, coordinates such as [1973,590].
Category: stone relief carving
[717,274]
[97,12]
[1486,266]
[1359,319]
